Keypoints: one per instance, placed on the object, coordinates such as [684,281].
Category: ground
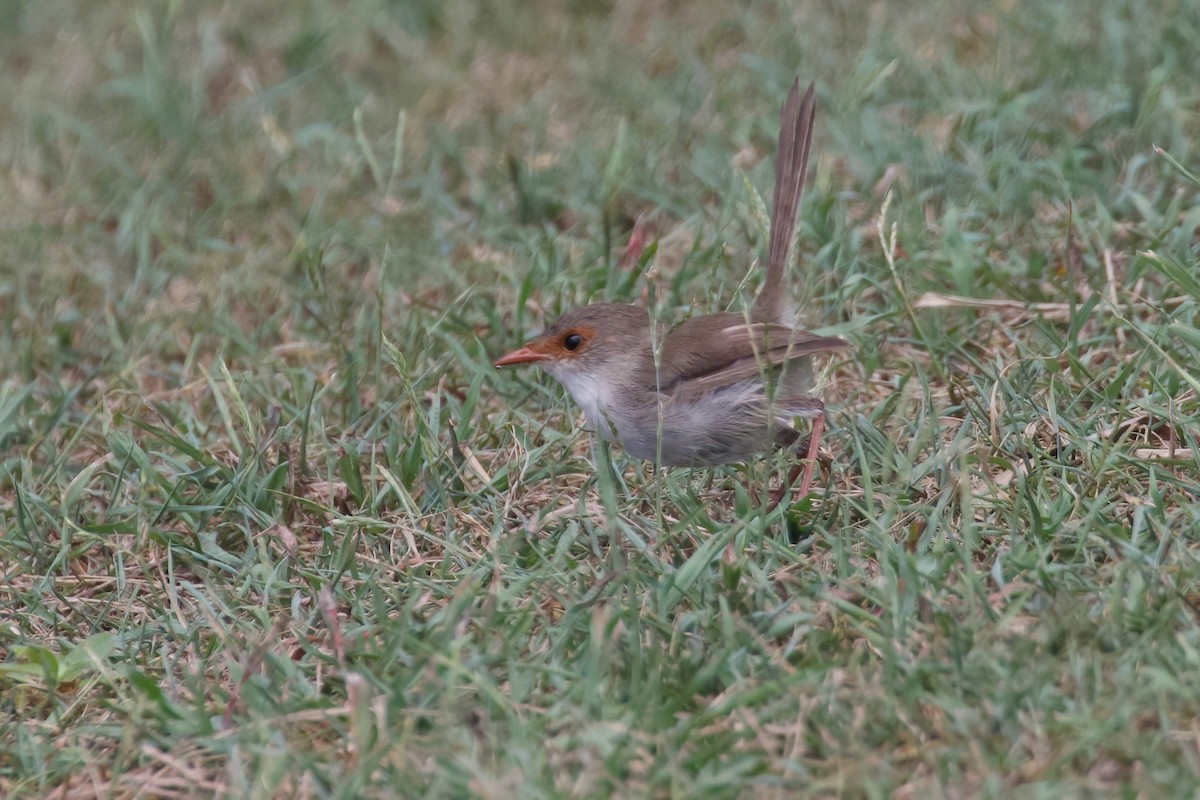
[273,526]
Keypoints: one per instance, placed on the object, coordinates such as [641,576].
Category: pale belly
[727,426]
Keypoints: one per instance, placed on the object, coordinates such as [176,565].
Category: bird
[715,388]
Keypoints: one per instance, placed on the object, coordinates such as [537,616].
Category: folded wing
[711,352]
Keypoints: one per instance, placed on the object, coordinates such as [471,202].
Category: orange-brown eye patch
[551,346]
[576,340]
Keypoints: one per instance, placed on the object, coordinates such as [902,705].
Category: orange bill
[524,355]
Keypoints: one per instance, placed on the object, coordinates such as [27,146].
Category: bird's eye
[572,341]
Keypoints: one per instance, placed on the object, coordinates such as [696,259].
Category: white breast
[592,395]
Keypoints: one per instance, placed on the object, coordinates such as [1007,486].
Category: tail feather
[791,169]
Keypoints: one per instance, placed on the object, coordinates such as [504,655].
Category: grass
[273,525]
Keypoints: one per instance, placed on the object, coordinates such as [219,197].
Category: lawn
[272,525]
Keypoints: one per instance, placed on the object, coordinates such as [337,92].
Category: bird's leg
[805,469]
[814,448]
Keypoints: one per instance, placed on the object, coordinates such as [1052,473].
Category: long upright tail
[791,168]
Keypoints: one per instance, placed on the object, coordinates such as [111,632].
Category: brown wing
[716,350]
